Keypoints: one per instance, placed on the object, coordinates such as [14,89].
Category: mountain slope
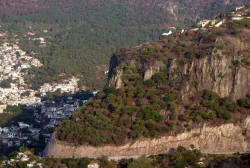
[168,87]
[83,34]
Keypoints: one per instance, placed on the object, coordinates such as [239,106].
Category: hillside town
[14,91]
[66,86]
[13,63]
[46,115]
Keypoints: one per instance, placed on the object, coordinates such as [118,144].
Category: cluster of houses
[13,62]
[45,117]
[53,112]
[40,39]
[26,157]
[67,86]
[17,135]
[238,14]
[13,90]
[32,161]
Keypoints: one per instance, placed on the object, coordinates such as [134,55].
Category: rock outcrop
[115,72]
[217,71]
[226,138]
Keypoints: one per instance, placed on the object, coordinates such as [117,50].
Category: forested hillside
[81,35]
[169,86]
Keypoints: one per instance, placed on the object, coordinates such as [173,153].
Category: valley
[82,46]
[179,98]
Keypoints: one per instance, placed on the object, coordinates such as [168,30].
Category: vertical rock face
[150,70]
[115,72]
[116,79]
[221,71]
[115,75]
[219,75]
[227,138]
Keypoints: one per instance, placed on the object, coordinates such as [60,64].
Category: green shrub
[84,162]
[149,83]
[179,48]
[13,109]
[197,118]
[110,90]
[233,107]
[149,113]
[203,114]
[226,116]
[211,115]
[209,95]
[185,158]
[170,124]
[172,96]
[173,116]
[141,162]
[139,92]
[236,62]
[137,129]
[181,149]
[196,115]
[183,117]
[244,102]
[160,77]
[219,46]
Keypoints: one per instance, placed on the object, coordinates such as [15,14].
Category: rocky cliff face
[217,72]
[227,138]
[116,73]
[220,71]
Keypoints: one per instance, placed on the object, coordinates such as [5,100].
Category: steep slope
[83,33]
[218,67]
[226,138]
[180,90]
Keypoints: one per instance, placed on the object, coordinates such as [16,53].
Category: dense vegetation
[82,34]
[153,107]
[180,158]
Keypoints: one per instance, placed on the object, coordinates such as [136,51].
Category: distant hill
[190,86]
[83,34]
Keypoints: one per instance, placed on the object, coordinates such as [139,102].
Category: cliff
[187,88]
[215,72]
[226,138]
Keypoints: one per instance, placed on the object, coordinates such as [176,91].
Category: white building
[167,34]
[23,125]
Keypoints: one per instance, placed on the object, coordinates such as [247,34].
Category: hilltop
[81,35]
[185,86]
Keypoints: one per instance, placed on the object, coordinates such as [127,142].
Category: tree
[141,162]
